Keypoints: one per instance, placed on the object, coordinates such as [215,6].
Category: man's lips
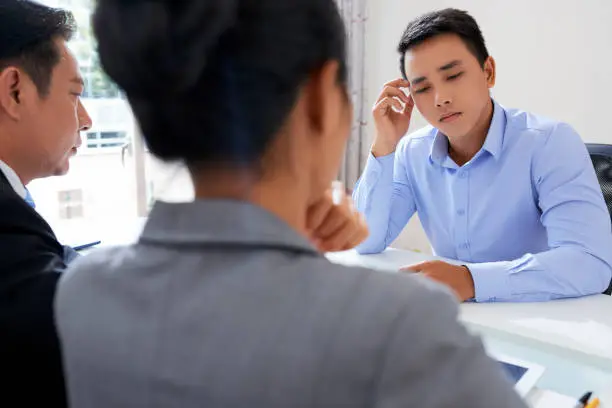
[449,117]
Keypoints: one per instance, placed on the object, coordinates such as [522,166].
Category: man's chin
[62,169]
[454,132]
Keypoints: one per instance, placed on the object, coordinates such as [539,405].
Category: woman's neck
[278,195]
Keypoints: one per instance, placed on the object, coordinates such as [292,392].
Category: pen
[337,192]
[594,403]
[86,246]
[584,400]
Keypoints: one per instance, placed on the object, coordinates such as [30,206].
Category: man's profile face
[54,121]
[449,86]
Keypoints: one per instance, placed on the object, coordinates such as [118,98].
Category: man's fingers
[408,107]
[383,106]
[397,105]
[398,83]
[410,268]
[420,267]
[391,92]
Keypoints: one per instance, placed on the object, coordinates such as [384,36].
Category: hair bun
[160,46]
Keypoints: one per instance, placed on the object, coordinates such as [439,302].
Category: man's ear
[489,69]
[11,91]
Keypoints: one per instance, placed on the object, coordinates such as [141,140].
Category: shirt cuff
[491,281]
[377,166]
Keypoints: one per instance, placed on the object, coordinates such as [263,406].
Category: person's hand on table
[456,277]
[333,224]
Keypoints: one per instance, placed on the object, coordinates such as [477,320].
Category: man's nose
[85,122]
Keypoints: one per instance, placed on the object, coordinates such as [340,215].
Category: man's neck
[463,149]
[9,175]
[9,159]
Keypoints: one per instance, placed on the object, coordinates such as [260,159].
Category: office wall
[554,57]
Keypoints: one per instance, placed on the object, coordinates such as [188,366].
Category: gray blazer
[222,305]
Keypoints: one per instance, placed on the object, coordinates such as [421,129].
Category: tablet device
[523,374]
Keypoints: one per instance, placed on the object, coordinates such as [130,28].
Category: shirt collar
[221,223]
[439,151]
[493,143]
[13,179]
[495,138]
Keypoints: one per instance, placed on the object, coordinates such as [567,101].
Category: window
[112,179]
[106,140]
[101,187]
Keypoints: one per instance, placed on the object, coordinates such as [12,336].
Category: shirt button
[463,174]
[464,246]
[461,212]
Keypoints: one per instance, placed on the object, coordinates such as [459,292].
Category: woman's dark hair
[214,80]
[447,21]
[27,34]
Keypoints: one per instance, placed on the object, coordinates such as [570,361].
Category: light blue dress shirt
[526,215]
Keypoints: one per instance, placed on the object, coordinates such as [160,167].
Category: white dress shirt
[69,253]
[13,179]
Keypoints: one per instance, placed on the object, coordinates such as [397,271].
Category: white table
[571,338]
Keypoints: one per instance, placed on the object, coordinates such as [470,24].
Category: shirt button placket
[461,219]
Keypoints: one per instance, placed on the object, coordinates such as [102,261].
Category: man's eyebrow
[444,67]
[450,65]
[418,80]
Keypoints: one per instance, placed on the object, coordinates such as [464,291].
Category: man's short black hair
[447,21]
[27,34]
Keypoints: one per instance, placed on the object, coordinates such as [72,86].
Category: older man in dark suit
[41,117]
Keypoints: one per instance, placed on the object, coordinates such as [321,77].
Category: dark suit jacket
[31,261]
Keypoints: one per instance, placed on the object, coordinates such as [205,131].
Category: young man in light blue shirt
[512,195]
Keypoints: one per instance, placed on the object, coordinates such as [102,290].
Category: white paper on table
[588,333]
[549,399]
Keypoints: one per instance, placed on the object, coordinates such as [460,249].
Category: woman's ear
[324,98]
